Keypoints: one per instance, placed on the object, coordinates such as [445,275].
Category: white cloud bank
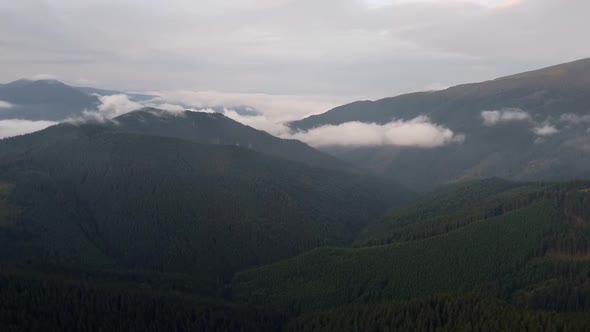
[276,108]
[492,118]
[259,122]
[419,132]
[116,105]
[545,130]
[15,127]
[5,104]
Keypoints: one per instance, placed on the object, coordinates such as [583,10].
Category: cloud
[259,122]
[580,143]
[5,104]
[110,107]
[545,130]
[574,119]
[333,47]
[277,108]
[113,106]
[15,127]
[492,118]
[275,111]
[166,107]
[494,4]
[419,132]
[42,77]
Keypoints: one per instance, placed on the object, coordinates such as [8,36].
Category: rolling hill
[509,256]
[540,131]
[526,245]
[103,197]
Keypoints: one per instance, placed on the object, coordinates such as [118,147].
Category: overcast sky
[337,48]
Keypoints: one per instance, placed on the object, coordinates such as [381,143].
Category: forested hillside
[95,196]
[215,128]
[450,208]
[516,258]
[128,231]
[476,255]
[522,249]
[216,166]
[57,299]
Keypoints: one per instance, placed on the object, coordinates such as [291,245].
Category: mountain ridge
[572,67]
[528,126]
[44,100]
[216,128]
[100,196]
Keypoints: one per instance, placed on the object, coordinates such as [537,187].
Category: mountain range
[180,221]
[529,126]
[52,100]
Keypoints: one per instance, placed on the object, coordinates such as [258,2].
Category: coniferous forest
[103,229]
[180,220]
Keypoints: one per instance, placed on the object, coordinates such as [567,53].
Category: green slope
[51,299]
[526,267]
[449,208]
[537,234]
[207,128]
[461,260]
[439,313]
[96,196]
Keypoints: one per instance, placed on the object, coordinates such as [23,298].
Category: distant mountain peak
[44,99]
[160,113]
[25,81]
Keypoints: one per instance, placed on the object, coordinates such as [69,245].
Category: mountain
[52,100]
[44,100]
[215,128]
[507,246]
[449,208]
[98,196]
[549,91]
[507,255]
[538,129]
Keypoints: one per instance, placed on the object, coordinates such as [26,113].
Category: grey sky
[365,48]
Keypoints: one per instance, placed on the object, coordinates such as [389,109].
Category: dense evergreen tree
[97,196]
[106,230]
